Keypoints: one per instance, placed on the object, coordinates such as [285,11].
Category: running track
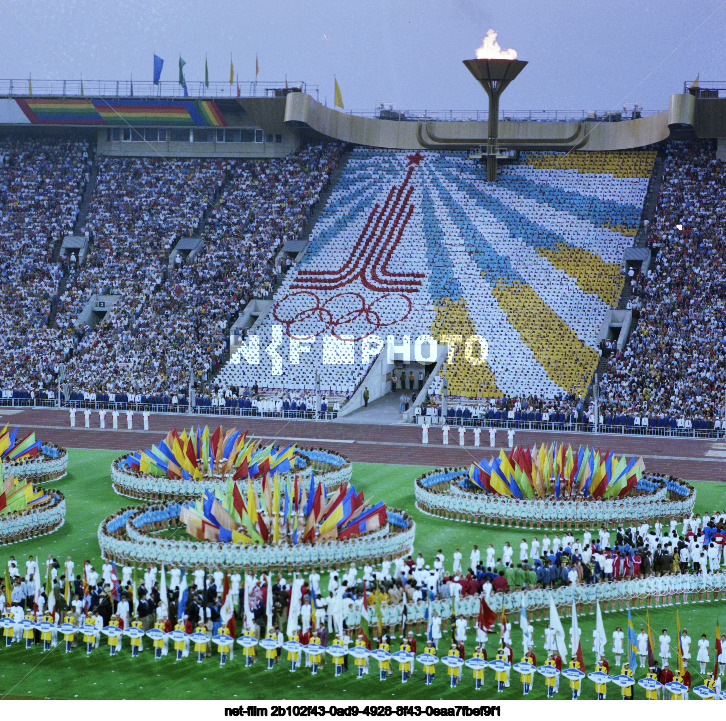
[699,460]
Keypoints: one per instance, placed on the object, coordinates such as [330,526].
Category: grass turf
[90,498]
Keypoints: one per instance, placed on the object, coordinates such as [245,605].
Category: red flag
[214,442]
[718,648]
[242,472]
[237,503]
[264,531]
[487,617]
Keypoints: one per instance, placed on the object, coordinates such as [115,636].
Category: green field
[89,499]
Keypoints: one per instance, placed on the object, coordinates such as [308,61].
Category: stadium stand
[41,185]
[670,378]
[165,328]
[419,243]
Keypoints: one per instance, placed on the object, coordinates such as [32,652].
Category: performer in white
[492,437]
[665,647]
[445,434]
[477,436]
[129,419]
[618,637]
[87,416]
[686,646]
[146,414]
[462,435]
[102,418]
[424,433]
[702,657]
[510,437]
[72,411]
[642,646]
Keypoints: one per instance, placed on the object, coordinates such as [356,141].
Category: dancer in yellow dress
[113,641]
[46,636]
[626,692]
[89,634]
[200,647]
[429,669]
[361,663]
[601,688]
[69,637]
[338,660]
[294,656]
[454,671]
[180,645]
[249,652]
[526,678]
[223,650]
[384,666]
[551,681]
[575,683]
[9,629]
[405,666]
[315,659]
[136,644]
[501,676]
[478,673]
[158,642]
[29,633]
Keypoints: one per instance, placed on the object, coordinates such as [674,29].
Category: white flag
[559,631]
[268,604]
[249,621]
[574,631]
[293,615]
[600,630]
[164,596]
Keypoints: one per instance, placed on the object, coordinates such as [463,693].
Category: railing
[710,86]
[147,89]
[542,116]
[566,427]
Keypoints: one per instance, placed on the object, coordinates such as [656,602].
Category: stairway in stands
[77,230]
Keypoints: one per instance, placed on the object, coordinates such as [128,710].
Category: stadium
[318,351]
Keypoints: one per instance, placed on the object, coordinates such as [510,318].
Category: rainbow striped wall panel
[127,111]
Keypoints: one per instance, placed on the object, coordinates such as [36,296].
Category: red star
[415,159]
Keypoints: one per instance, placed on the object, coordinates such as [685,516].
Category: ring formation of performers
[49,464]
[44,514]
[182,466]
[127,536]
[449,493]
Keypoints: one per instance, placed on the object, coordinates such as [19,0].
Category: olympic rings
[342,314]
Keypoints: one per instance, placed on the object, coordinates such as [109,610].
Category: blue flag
[158,65]
[632,644]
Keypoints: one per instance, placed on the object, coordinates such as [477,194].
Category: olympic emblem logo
[343,314]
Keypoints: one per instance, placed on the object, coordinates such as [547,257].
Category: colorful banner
[126,111]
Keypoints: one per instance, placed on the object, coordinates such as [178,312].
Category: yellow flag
[30,85]
[231,70]
[694,84]
[338,95]
[257,67]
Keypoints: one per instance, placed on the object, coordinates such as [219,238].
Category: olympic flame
[490,49]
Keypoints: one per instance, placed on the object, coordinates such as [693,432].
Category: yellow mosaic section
[568,361]
[591,272]
[620,164]
[467,380]
[622,229]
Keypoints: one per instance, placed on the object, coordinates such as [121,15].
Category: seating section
[671,375]
[165,328]
[419,243]
[41,185]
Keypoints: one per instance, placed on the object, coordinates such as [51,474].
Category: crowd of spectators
[139,209]
[673,366]
[164,328]
[41,186]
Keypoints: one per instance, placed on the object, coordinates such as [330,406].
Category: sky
[408,53]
